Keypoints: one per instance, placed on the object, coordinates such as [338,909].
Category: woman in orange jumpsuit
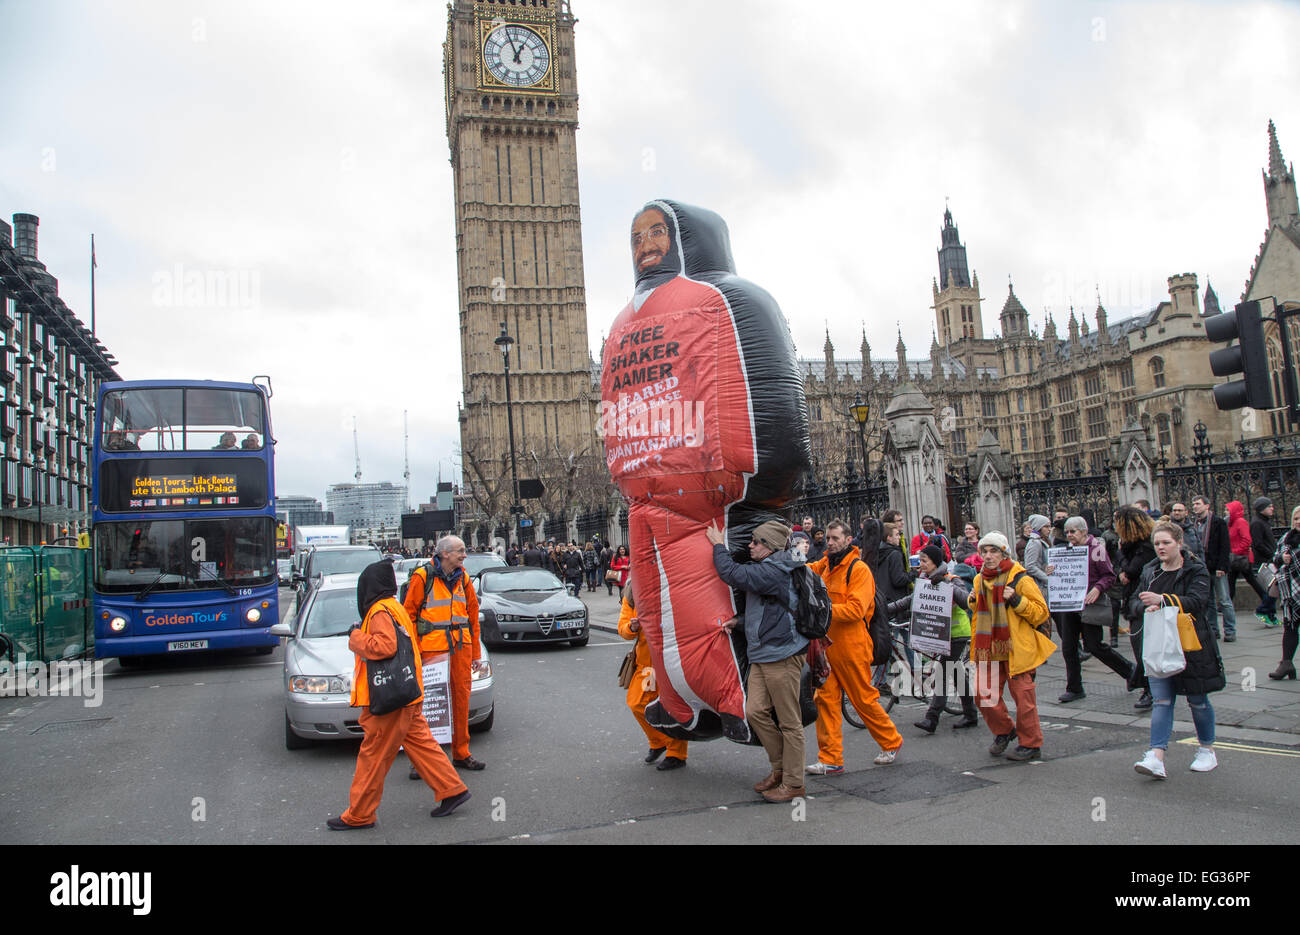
[642,690]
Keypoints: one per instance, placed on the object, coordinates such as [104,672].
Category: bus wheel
[130,662]
[265,650]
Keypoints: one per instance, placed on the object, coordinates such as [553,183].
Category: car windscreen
[332,613]
[532,579]
[476,563]
[342,562]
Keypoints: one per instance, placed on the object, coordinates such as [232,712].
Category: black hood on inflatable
[698,235]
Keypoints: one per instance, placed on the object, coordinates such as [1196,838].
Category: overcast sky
[297,151]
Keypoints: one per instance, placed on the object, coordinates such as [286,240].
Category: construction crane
[356,448]
[406,460]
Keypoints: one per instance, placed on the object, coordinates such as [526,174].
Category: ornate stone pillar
[915,464]
[1137,473]
[991,475]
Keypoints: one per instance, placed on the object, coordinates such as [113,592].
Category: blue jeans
[1223,597]
[1162,714]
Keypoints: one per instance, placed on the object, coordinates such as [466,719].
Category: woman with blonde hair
[1176,573]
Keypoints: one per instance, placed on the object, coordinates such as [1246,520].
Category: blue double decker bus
[183,512]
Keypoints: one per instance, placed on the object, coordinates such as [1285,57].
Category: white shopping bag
[1162,650]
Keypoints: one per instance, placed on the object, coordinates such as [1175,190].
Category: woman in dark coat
[1177,572]
[1287,560]
[1135,552]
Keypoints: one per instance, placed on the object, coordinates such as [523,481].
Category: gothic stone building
[1058,397]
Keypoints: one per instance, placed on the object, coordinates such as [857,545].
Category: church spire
[952,255]
[901,350]
[1211,303]
[868,375]
[1279,186]
[829,350]
[1103,332]
[1276,165]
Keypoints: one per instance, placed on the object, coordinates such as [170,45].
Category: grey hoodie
[769,625]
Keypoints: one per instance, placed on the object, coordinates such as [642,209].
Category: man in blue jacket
[776,653]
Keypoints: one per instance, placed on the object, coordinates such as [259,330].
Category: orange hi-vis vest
[447,611]
[360,687]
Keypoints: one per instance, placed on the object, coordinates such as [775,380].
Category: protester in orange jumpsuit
[852,591]
[642,691]
[376,638]
[448,622]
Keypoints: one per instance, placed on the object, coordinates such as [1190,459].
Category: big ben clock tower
[512,119]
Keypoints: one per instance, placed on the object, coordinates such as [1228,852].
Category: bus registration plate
[187,644]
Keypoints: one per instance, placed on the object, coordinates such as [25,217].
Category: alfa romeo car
[528,605]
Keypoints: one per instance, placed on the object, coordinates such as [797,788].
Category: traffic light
[1247,357]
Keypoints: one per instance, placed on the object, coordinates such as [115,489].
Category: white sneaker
[1150,765]
[1205,760]
[822,769]
[885,757]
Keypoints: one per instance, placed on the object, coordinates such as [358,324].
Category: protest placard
[1068,582]
[437,696]
[931,626]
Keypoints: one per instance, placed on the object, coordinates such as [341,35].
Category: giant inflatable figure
[704,421]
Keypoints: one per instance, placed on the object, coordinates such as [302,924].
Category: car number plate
[569,624]
[186,644]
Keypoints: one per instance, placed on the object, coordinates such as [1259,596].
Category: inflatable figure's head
[670,238]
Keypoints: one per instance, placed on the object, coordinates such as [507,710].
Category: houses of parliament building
[1058,397]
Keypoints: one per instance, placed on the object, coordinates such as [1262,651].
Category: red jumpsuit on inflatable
[703,420]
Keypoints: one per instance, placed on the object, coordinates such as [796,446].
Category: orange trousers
[407,728]
[637,699]
[462,679]
[850,658]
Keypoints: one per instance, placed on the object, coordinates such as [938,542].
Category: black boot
[929,723]
[1285,670]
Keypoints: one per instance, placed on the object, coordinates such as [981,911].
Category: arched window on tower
[1163,436]
[1157,372]
[1277,419]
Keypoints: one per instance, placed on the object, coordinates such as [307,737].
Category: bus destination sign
[172,490]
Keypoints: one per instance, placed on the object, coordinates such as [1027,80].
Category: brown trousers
[774,686]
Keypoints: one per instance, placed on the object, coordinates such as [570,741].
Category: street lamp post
[505,342]
[860,412]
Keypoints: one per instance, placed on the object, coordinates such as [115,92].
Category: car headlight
[482,669]
[318,684]
[117,624]
[253,615]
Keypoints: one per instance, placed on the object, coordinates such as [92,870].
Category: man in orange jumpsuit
[376,638]
[852,591]
[642,691]
[447,621]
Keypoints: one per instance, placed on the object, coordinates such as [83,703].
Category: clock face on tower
[516,56]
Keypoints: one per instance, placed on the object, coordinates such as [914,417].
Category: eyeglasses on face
[657,230]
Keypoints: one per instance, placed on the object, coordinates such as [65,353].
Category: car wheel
[486,725]
[291,740]
[582,640]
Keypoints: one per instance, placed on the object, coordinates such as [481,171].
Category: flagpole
[93,264]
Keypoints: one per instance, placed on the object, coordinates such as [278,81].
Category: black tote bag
[394,682]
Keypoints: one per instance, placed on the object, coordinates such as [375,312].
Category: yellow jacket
[1029,647]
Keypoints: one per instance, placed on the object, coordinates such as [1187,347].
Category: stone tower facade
[512,119]
[956,295]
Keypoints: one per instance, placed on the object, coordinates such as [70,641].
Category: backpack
[427,568]
[812,604]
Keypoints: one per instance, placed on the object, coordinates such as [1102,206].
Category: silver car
[528,605]
[318,669]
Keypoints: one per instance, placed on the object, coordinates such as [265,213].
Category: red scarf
[991,636]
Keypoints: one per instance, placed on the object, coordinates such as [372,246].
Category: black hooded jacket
[376,582]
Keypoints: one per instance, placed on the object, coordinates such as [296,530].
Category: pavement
[1252,707]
